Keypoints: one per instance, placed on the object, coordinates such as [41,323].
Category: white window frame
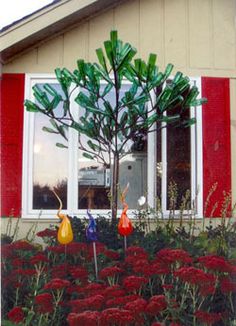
[72,189]
[195,157]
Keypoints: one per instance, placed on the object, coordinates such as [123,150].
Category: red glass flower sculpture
[125,227]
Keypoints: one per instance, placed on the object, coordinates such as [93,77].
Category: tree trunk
[114,186]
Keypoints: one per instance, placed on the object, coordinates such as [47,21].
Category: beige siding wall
[197,36]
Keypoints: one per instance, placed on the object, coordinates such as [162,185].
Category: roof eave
[46,23]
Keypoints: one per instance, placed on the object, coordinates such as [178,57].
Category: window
[52,161]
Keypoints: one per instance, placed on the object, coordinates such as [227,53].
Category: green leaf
[61,130]
[9,323]
[109,109]
[152,119]
[51,90]
[127,55]
[168,70]
[173,103]
[152,60]
[137,66]
[177,77]
[81,65]
[83,100]
[198,102]
[189,122]
[68,74]
[107,89]
[53,123]
[123,119]
[107,133]
[164,98]
[58,74]
[170,119]
[91,145]
[191,96]
[40,96]
[90,157]
[31,106]
[102,59]
[113,37]
[151,64]
[77,126]
[52,131]
[61,145]
[109,52]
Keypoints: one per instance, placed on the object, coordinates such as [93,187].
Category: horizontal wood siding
[198,37]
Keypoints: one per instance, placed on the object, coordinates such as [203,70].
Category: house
[197,36]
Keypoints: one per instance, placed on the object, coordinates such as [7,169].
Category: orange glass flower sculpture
[65,233]
[125,227]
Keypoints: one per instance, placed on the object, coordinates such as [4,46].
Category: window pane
[178,161]
[158,165]
[93,183]
[50,165]
[94,179]
[133,170]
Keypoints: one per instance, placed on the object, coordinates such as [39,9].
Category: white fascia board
[41,20]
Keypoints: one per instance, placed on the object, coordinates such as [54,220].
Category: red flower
[136,251]
[110,272]
[159,268]
[92,303]
[26,272]
[113,255]
[22,245]
[167,286]
[227,285]
[7,252]
[208,318]
[75,248]
[44,303]
[121,301]
[75,289]
[195,276]
[47,233]
[137,306]
[141,266]
[114,291]
[18,262]
[215,263]
[16,315]
[206,289]
[157,324]
[38,259]
[93,289]
[156,304]
[88,318]
[115,316]
[171,256]
[134,283]
[56,284]
[100,248]
[59,249]
[59,271]
[78,273]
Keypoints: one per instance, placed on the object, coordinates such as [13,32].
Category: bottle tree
[111,125]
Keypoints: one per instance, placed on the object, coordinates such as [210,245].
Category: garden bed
[166,277]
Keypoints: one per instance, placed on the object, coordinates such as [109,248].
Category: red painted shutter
[12,98]
[216,142]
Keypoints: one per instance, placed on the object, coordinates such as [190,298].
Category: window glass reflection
[94,178]
[50,165]
[178,163]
